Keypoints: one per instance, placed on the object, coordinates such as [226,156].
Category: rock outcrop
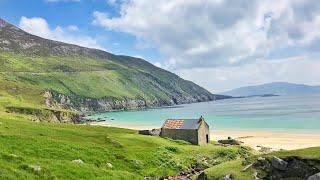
[279,164]
[228,177]
[152,132]
[86,105]
[315,177]
[47,115]
[229,141]
[286,168]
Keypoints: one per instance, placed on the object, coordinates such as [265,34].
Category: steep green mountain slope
[45,73]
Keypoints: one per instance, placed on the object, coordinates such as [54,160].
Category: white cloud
[210,33]
[138,56]
[39,26]
[158,64]
[303,69]
[73,28]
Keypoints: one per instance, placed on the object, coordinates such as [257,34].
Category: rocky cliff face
[47,115]
[88,105]
[286,168]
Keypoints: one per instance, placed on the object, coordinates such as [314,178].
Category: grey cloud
[306,10]
[208,33]
[228,12]
[314,46]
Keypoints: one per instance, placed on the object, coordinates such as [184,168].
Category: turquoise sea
[278,113]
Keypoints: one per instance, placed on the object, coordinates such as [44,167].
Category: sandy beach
[274,140]
[254,138]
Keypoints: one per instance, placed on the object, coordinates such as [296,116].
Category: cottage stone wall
[203,133]
[190,135]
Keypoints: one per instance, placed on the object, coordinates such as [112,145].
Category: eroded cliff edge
[90,105]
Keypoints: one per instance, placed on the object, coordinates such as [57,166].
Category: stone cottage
[195,131]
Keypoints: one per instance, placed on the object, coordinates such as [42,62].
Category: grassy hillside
[89,77]
[26,146]
[31,65]
[53,147]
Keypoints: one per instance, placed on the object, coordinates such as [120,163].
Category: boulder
[255,175]
[152,132]
[314,177]
[109,165]
[287,168]
[265,150]
[35,168]
[279,164]
[229,141]
[78,161]
[299,167]
[228,177]
[144,132]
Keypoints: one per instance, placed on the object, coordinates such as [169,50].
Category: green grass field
[53,147]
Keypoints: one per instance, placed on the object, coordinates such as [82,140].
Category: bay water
[295,113]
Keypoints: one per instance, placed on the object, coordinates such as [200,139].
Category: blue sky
[219,44]
[77,13]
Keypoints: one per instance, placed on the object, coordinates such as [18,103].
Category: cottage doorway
[207,138]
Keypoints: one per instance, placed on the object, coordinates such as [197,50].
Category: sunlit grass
[54,146]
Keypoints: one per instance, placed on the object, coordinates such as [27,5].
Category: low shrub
[172,148]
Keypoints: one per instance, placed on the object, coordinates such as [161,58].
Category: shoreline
[145,108]
[271,141]
[261,140]
[89,113]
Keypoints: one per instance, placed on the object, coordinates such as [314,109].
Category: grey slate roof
[181,124]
